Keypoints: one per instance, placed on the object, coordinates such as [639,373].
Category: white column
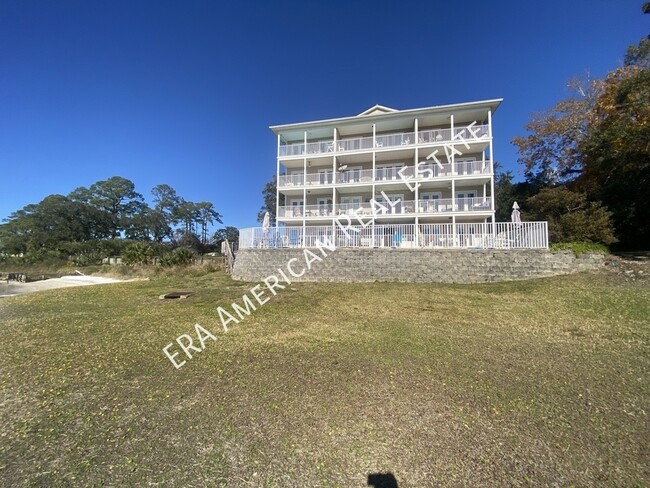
[374,175]
[416,195]
[333,170]
[453,146]
[416,238]
[415,131]
[277,184]
[304,191]
[453,228]
[494,203]
[335,149]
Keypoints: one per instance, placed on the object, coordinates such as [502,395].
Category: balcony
[361,209]
[382,209]
[306,211]
[463,168]
[383,175]
[354,176]
[472,204]
[469,133]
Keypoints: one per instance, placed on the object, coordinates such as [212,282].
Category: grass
[542,382]
[579,248]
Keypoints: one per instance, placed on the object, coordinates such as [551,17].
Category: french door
[324,206]
[389,172]
[395,205]
[325,176]
[296,207]
[428,202]
[464,200]
[350,204]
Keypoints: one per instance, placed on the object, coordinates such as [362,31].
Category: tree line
[586,160]
[104,219]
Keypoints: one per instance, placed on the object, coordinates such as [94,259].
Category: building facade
[391,178]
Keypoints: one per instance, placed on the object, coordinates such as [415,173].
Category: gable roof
[482,105]
[376,110]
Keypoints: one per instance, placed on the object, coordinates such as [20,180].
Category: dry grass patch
[527,383]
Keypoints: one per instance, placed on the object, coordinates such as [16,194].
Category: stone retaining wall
[414,265]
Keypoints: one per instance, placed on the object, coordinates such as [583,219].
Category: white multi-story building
[401,178]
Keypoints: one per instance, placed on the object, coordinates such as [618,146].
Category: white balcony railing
[397,174]
[471,132]
[354,144]
[394,173]
[320,147]
[291,211]
[472,204]
[320,210]
[354,176]
[398,207]
[293,149]
[364,209]
[382,208]
[398,139]
[434,136]
[433,170]
[307,211]
[500,235]
[319,178]
[465,168]
[290,180]
[392,140]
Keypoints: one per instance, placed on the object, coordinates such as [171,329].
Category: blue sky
[183,92]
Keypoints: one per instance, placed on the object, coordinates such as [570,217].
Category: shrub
[579,248]
[138,253]
[178,257]
[571,217]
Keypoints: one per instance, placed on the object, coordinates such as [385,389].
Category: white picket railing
[500,235]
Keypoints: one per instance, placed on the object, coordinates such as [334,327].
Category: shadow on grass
[381,480]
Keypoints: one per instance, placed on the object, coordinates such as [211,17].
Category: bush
[138,253]
[579,248]
[178,257]
[571,216]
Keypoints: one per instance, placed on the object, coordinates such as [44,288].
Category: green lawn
[524,383]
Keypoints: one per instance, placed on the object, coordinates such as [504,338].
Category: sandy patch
[15,288]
